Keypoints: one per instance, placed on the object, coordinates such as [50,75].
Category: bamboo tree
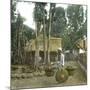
[19,24]
[18,38]
[36,34]
[39,17]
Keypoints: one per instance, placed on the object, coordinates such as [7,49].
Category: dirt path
[43,81]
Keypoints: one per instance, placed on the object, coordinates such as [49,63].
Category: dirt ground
[78,78]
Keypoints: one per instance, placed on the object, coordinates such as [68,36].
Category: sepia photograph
[48,44]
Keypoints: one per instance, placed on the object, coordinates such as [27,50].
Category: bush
[49,70]
[70,70]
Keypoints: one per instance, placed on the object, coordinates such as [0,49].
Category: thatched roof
[55,43]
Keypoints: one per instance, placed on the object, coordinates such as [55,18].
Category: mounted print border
[48,44]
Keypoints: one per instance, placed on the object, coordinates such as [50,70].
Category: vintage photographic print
[48,44]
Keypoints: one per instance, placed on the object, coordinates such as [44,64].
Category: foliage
[49,70]
[20,34]
[13,10]
[59,22]
[39,12]
[75,16]
[69,24]
[76,26]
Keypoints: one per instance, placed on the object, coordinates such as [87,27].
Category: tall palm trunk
[36,47]
[44,39]
[22,46]
[18,45]
[48,45]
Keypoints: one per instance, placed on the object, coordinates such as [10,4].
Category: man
[37,63]
[61,57]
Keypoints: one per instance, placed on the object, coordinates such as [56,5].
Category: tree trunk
[44,40]
[17,42]
[48,46]
[36,48]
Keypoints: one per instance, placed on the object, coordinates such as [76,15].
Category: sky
[26,11]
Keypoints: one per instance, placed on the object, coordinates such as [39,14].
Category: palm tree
[39,18]
[51,15]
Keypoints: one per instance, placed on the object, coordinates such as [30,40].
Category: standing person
[37,63]
[62,59]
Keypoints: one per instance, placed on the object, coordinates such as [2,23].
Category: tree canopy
[70,24]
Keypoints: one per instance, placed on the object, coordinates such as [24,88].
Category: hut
[82,43]
[82,57]
[30,48]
